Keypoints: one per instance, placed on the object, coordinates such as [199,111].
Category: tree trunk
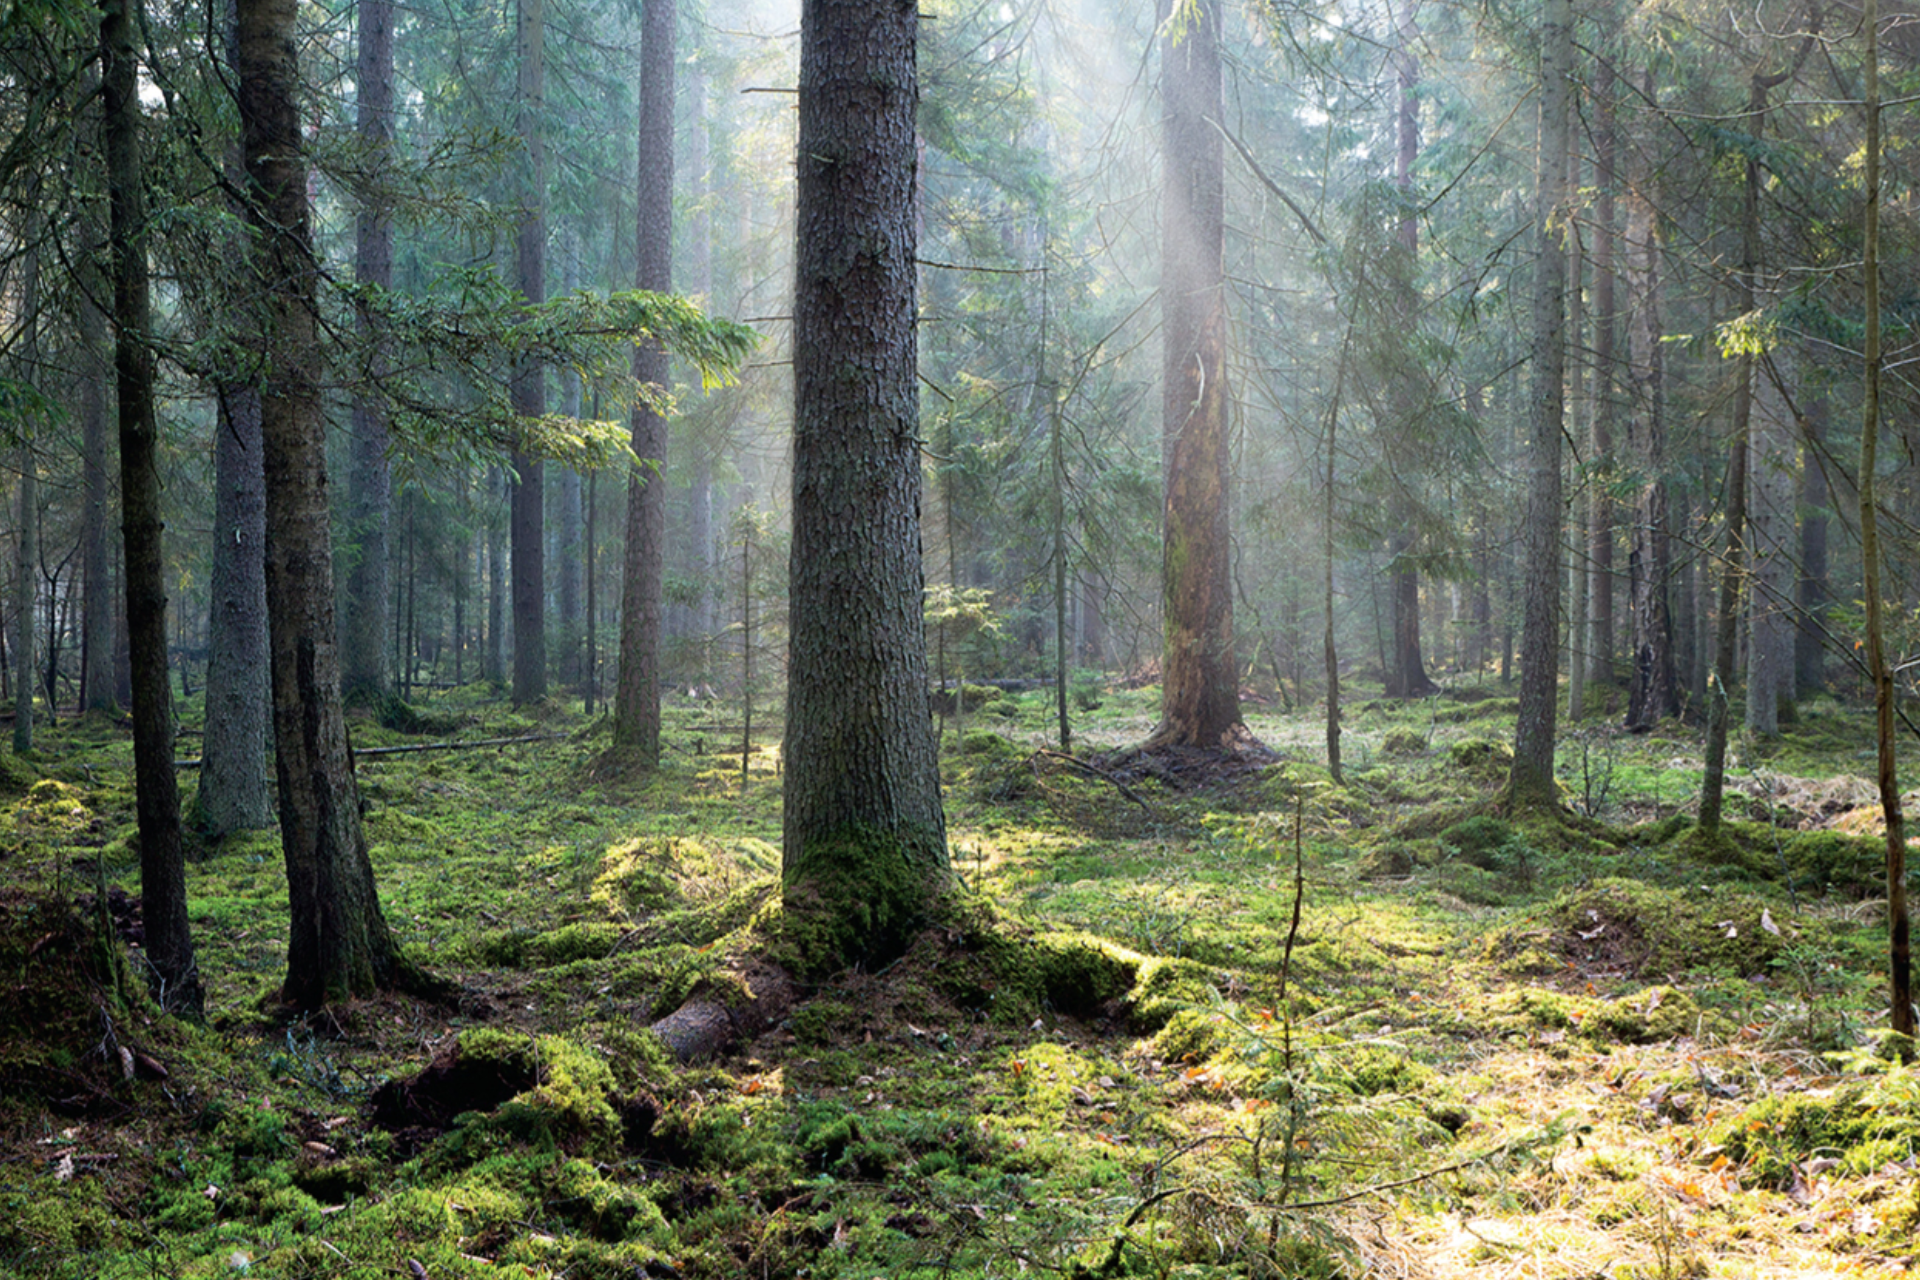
[174,975]
[235,787]
[1899,941]
[235,783]
[1200,691]
[364,672]
[636,705]
[1809,641]
[1602,516]
[495,657]
[1530,783]
[1770,502]
[1651,694]
[339,945]
[27,536]
[865,850]
[528,391]
[568,542]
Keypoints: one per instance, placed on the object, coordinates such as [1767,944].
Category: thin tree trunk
[1899,942]
[1651,695]
[636,706]
[1602,516]
[1809,642]
[27,534]
[528,390]
[1530,783]
[369,477]
[174,975]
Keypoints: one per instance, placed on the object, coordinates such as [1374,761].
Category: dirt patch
[454,1082]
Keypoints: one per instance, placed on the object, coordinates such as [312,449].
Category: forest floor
[1180,1023]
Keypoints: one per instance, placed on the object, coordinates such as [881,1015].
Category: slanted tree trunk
[865,850]
[363,636]
[1200,689]
[1530,782]
[173,974]
[339,945]
[636,702]
[528,391]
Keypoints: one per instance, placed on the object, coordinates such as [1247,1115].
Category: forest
[738,638]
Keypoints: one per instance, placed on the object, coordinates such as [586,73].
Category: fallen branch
[361,753]
[1092,772]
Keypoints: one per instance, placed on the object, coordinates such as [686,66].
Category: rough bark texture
[26,563]
[363,637]
[1651,694]
[568,542]
[636,702]
[235,789]
[173,974]
[1200,690]
[1530,784]
[865,856]
[339,945]
[236,786]
[97,611]
[528,392]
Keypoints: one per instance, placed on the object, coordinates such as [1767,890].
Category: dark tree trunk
[339,945]
[636,698]
[97,610]
[568,541]
[364,673]
[235,790]
[235,785]
[174,975]
[1200,692]
[529,387]
[1530,784]
[27,533]
[495,658]
[865,851]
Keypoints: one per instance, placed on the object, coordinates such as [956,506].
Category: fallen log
[362,753]
[714,1019]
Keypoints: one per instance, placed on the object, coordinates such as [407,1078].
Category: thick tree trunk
[174,975]
[363,636]
[339,945]
[235,782]
[235,788]
[1200,690]
[865,857]
[636,704]
[1530,783]
[528,391]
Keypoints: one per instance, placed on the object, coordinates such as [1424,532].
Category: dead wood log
[714,1019]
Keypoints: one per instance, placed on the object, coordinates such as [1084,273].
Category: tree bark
[235,792]
[1200,689]
[1770,501]
[339,945]
[27,534]
[528,391]
[865,851]
[235,782]
[363,647]
[636,703]
[174,975]
[1530,783]
[1602,515]
[1651,694]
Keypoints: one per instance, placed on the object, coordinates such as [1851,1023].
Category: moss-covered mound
[1635,929]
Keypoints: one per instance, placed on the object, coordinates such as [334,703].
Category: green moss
[1862,1124]
[1830,861]
[858,895]
[1485,762]
[1403,742]
[1645,929]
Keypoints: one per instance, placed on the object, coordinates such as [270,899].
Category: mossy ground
[1586,1047]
